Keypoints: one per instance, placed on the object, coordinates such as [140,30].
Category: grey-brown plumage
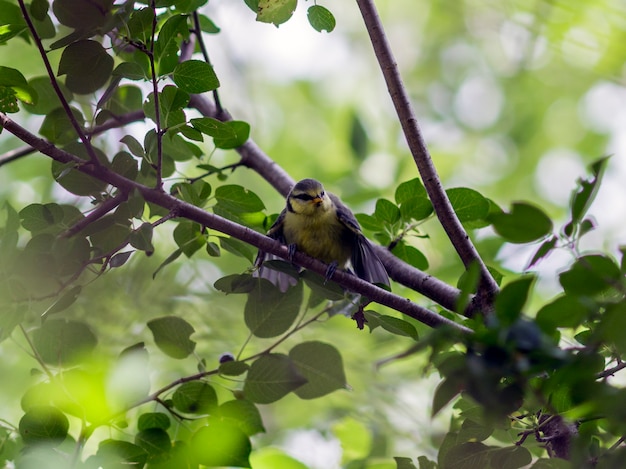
[319,224]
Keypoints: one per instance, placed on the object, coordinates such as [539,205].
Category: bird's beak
[318,200]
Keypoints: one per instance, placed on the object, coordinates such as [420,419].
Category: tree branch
[443,208]
[66,107]
[212,221]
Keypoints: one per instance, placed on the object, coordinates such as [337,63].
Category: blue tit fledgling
[320,225]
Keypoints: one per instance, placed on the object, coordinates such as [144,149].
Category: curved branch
[443,208]
[212,221]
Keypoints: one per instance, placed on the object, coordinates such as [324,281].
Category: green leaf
[82,14]
[67,300]
[405,463]
[195,397]
[275,11]
[74,181]
[207,25]
[47,99]
[87,65]
[11,21]
[171,258]
[221,444]
[171,334]
[468,204]
[243,414]
[38,218]
[15,81]
[189,237]
[133,146]
[270,312]
[118,454]
[409,190]
[238,248]
[585,194]
[523,224]
[44,424]
[196,193]
[387,211]
[410,255]
[321,18]
[447,390]
[58,128]
[355,438]
[396,326]
[236,283]
[195,76]
[233,368]
[369,222]
[171,35]
[416,208]
[590,275]
[270,378]
[565,311]
[140,25]
[510,301]
[546,248]
[322,367]
[153,420]
[124,99]
[171,103]
[141,238]
[273,458]
[155,441]
[320,286]
[238,199]
[226,135]
[63,342]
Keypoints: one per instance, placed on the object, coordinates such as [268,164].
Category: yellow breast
[319,234]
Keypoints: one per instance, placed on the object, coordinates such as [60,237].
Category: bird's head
[307,197]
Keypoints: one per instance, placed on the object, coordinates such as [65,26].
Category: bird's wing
[281,279]
[364,260]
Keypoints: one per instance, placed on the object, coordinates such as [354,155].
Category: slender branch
[205,55]
[247,235]
[155,93]
[66,107]
[443,208]
[100,211]
[611,371]
[114,122]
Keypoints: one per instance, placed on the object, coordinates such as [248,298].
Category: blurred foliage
[141,341]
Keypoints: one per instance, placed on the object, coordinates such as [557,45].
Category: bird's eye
[303,196]
[322,194]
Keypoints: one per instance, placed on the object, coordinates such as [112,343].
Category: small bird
[320,225]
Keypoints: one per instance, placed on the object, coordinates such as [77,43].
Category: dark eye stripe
[303,196]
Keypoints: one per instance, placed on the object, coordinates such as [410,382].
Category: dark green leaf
[404,463]
[47,99]
[270,312]
[118,454]
[409,190]
[510,301]
[14,80]
[82,14]
[207,25]
[87,65]
[394,325]
[195,76]
[322,367]
[524,224]
[57,127]
[171,258]
[153,420]
[369,222]
[189,237]
[171,334]
[239,248]
[133,146]
[238,198]
[155,441]
[140,25]
[270,378]
[44,424]
[447,390]
[564,311]
[236,283]
[124,99]
[320,286]
[62,303]
[63,342]
[195,397]
[171,35]
[141,238]
[321,18]
[416,208]
[585,194]
[233,368]
[590,275]
[546,248]
[221,444]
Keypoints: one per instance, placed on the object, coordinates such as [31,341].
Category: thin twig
[443,208]
[66,107]
[198,32]
[100,211]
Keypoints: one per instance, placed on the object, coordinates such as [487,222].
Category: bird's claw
[291,251]
[330,271]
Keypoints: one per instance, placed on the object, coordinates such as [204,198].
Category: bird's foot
[291,251]
[330,271]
